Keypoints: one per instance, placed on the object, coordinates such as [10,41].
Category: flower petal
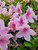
[27,37]
[32,32]
[19,34]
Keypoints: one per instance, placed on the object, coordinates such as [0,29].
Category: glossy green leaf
[27,44]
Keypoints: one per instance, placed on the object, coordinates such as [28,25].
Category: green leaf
[33,26]
[28,44]
[24,4]
[2,16]
[18,48]
[36,42]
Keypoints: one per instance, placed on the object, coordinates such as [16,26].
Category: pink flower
[10,12]
[12,23]
[17,22]
[20,22]
[15,15]
[25,32]
[10,0]
[12,26]
[4,41]
[1,24]
[2,3]
[18,8]
[3,10]
[4,36]
[30,15]
[12,6]
[37,0]
[26,0]
[11,9]
[3,30]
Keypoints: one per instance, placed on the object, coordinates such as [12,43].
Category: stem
[34,48]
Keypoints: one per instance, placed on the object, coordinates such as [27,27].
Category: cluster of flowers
[29,0]
[23,0]
[17,22]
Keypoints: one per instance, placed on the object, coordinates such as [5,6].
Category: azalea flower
[12,6]
[26,0]
[25,32]
[15,15]
[37,0]
[17,22]
[4,36]
[3,10]
[4,41]
[3,30]
[30,14]
[12,23]
[11,9]
[2,3]
[11,1]
[20,22]
[18,8]
[12,26]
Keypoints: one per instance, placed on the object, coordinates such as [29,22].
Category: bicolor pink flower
[4,41]
[12,26]
[11,1]
[26,0]
[2,3]
[13,21]
[3,10]
[30,15]
[3,30]
[20,22]
[18,8]
[10,12]
[11,9]
[15,15]
[1,24]
[25,32]
[37,0]
[12,6]
[4,36]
